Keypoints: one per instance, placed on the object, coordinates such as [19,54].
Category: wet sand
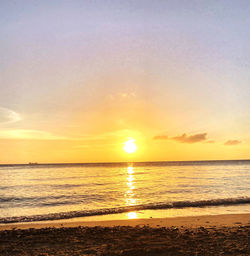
[202,235]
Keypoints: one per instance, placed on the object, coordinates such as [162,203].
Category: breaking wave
[105,211]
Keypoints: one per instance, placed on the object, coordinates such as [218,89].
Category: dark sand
[131,240]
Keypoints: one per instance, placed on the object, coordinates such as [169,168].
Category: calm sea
[47,192]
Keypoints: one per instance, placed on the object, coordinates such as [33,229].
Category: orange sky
[78,80]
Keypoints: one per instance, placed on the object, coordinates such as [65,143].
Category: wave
[44,201]
[42,186]
[105,211]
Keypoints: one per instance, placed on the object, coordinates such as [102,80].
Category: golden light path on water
[129,195]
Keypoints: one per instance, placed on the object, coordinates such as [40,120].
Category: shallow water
[41,190]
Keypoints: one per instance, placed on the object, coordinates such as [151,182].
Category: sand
[202,235]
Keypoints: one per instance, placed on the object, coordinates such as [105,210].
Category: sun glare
[132,215]
[130,146]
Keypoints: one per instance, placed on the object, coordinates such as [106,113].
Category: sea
[101,191]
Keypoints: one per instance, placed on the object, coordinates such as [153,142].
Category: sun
[130,146]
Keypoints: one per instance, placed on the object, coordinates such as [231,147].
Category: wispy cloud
[184,138]
[121,95]
[192,138]
[210,141]
[232,142]
[46,135]
[160,137]
[29,134]
[8,116]
[98,145]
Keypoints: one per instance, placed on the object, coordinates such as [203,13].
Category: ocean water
[48,192]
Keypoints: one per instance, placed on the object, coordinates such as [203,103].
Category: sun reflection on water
[132,215]
[129,194]
[130,170]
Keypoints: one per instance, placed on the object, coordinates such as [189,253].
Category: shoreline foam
[222,220]
[124,209]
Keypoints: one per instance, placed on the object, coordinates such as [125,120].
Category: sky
[80,78]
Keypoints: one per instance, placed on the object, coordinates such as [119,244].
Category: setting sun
[130,146]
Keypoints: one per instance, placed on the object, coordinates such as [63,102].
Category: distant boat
[31,163]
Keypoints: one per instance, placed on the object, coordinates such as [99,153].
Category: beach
[184,208]
[196,235]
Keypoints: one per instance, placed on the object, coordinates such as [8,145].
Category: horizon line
[122,162]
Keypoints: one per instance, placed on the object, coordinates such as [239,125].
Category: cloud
[122,95]
[8,116]
[184,138]
[210,141]
[100,145]
[29,134]
[88,139]
[191,139]
[127,95]
[160,137]
[232,142]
